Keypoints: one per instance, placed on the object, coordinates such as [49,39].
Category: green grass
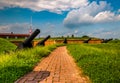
[101,62]
[16,64]
[6,46]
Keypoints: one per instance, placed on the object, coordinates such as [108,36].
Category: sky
[95,18]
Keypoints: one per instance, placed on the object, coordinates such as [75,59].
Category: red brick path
[58,67]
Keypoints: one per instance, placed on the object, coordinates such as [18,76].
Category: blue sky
[96,18]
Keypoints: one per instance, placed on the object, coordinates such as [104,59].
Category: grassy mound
[6,46]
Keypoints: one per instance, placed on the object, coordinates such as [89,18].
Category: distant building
[13,35]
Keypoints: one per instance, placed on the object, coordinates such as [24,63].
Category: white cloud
[105,33]
[106,16]
[38,5]
[16,28]
[118,10]
[90,14]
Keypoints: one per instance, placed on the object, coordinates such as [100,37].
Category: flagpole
[30,31]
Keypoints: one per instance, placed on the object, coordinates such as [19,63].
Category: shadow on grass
[34,77]
[12,73]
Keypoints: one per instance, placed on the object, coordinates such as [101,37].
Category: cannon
[43,41]
[86,41]
[106,40]
[27,43]
[65,41]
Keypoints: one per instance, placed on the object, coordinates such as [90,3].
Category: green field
[101,62]
[17,63]
[98,61]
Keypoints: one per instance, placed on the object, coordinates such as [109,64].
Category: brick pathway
[58,67]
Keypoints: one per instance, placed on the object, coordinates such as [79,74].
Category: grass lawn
[15,64]
[101,62]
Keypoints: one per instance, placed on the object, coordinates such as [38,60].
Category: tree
[72,36]
[85,36]
[62,37]
[68,36]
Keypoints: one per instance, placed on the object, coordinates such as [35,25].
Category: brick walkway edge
[58,67]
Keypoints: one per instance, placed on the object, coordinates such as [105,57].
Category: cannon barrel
[65,41]
[43,41]
[86,41]
[32,36]
[27,43]
[106,40]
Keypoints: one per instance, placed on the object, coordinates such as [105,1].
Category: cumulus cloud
[16,28]
[105,34]
[90,14]
[38,5]
[118,10]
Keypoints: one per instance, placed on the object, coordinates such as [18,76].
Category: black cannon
[106,40]
[43,41]
[65,41]
[28,42]
[86,41]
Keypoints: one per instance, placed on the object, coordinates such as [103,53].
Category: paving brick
[21,80]
[30,81]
